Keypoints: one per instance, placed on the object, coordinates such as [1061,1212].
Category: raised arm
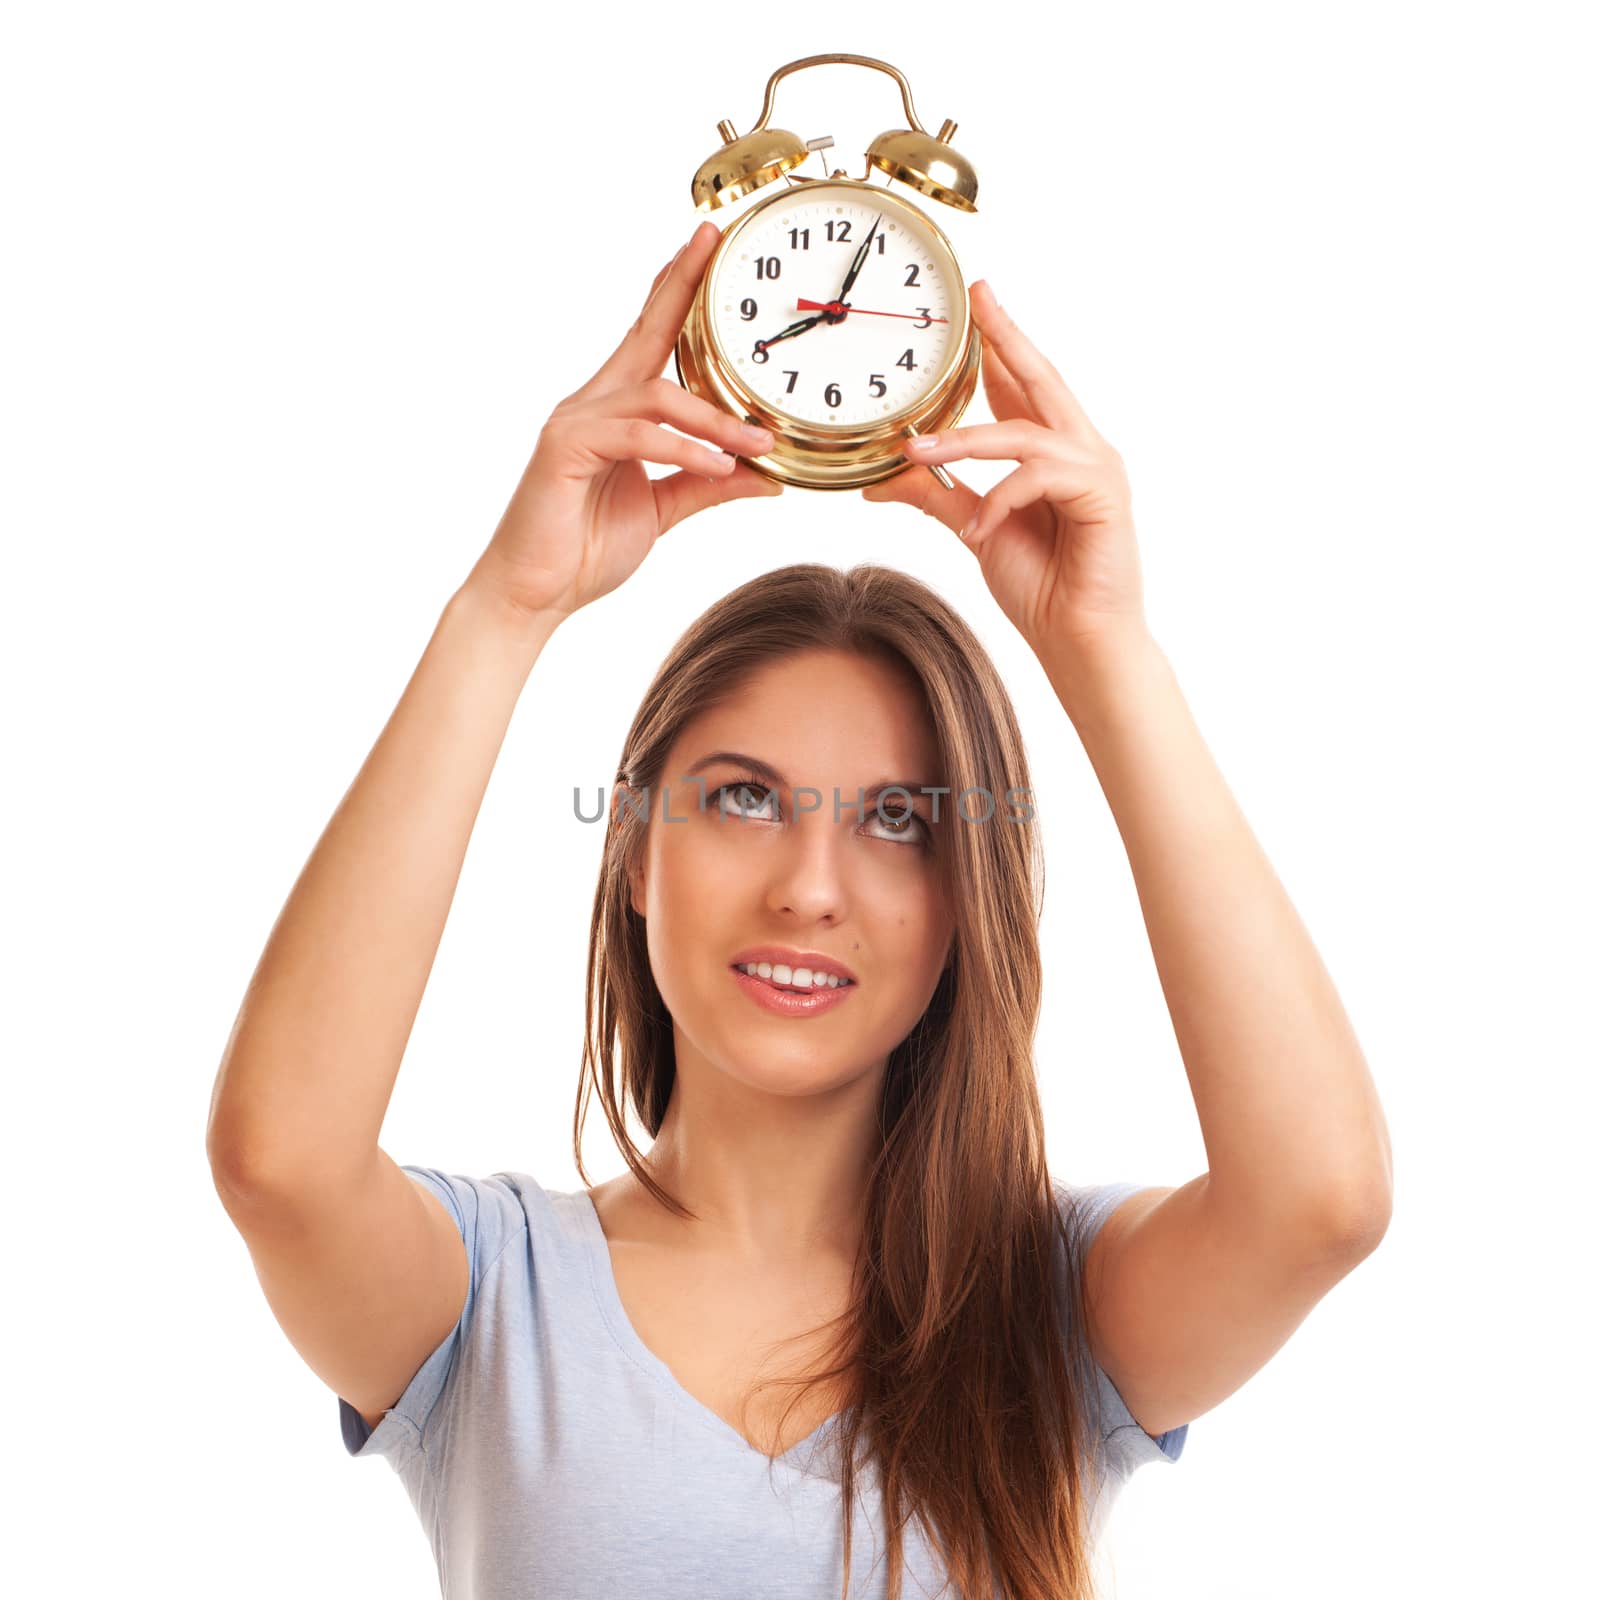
[312,1060]
[315,1050]
[365,1270]
[1189,1290]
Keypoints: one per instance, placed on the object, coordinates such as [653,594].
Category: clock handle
[832,60]
[912,155]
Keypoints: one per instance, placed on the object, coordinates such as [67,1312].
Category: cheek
[693,868]
[921,907]
[935,945]
[695,888]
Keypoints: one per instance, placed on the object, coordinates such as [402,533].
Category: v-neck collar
[602,1275]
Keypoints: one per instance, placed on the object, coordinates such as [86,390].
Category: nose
[808,876]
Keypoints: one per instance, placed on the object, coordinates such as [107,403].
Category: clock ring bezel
[822,455]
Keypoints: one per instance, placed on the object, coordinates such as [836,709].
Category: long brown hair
[963,1353]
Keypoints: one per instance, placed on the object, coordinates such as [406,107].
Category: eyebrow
[771,776]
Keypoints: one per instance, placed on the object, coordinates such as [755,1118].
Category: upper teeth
[799,978]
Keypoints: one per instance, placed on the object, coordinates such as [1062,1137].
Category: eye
[902,822]
[739,786]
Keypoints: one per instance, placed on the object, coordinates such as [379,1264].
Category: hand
[1054,540]
[584,514]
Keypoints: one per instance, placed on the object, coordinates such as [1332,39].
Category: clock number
[760,352]
[927,316]
[767,266]
[880,243]
[747,309]
[912,280]
[830,395]
[799,238]
[877,385]
[791,376]
[842,236]
[906,361]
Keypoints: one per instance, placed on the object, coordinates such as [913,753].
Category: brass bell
[743,165]
[912,154]
[926,164]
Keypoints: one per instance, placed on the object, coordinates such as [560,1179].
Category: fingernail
[755,435]
[966,532]
[924,441]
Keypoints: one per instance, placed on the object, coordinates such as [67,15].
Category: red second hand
[859,311]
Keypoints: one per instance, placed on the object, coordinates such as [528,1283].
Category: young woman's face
[736,868]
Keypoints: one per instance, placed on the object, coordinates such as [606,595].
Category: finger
[953,507]
[635,439]
[1016,440]
[1016,489]
[681,494]
[646,346]
[1061,482]
[662,400]
[656,282]
[1052,402]
[1000,387]
[593,384]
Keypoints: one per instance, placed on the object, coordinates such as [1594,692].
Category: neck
[768,1176]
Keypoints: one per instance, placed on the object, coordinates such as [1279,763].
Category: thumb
[681,494]
[919,488]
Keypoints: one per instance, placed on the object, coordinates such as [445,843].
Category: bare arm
[1188,1290]
[312,1060]
[1191,1290]
[313,1056]
[365,1272]
[1294,1133]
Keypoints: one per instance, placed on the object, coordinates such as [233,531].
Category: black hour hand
[790,331]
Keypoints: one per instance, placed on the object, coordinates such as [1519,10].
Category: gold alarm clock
[833,312]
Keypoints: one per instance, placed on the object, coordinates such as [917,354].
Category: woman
[843,1255]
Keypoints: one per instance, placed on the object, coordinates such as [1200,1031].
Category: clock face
[809,347]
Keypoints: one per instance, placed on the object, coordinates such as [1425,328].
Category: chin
[799,1070]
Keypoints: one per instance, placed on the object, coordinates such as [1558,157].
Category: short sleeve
[489,1215]
[1126,1444]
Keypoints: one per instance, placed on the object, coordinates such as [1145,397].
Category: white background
[288,294]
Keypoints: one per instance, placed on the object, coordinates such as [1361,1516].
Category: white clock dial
[902,315]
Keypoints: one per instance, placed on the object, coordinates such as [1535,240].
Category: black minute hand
[861,256]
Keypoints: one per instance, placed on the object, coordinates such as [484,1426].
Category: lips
[785,955]
[792,1002]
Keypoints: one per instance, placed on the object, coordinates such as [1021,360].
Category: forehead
[820,713]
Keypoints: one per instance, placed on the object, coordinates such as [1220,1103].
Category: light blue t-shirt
[551,1455]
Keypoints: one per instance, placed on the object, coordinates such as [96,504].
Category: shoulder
[1092,1209]
[489,1213]
[1098,1218]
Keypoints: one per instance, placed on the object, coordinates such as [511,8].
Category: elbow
[237,1162]
[1358,1216]
[1359,1204]
[1362,1233]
